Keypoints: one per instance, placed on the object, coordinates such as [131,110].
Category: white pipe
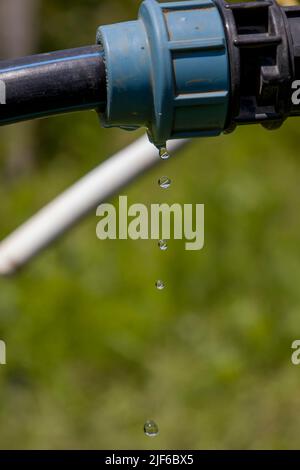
[67,209]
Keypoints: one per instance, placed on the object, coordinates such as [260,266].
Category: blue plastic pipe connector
[168,71]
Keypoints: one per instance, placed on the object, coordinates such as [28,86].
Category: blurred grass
[94,350]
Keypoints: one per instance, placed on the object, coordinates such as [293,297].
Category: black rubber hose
[58,82]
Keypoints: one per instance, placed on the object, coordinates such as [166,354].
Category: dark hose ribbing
[53,83]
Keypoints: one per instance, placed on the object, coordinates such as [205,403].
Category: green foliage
[94,350]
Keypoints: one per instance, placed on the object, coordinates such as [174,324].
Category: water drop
[160,285]
[151,429]
[163,153]
[163,245]
[165,182]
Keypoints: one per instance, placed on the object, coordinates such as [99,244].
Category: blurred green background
[93,349]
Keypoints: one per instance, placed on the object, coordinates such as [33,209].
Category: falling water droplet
[160,285]
[165,182]
[163,245]
[151,429]
[163,153]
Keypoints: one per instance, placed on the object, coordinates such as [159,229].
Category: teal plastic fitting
[168,71]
